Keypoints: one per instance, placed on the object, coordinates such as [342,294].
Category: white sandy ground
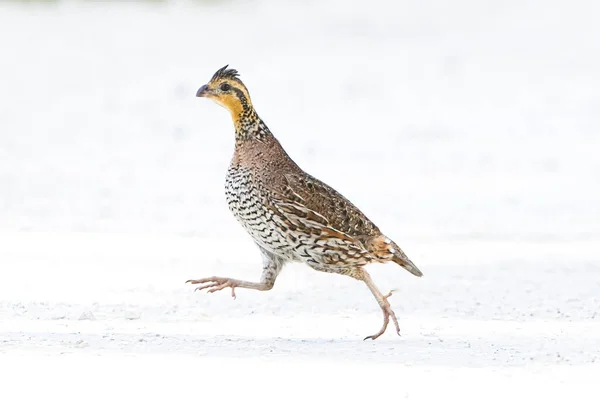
[467,130]
[112,313]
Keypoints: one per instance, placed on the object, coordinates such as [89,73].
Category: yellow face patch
[230,94]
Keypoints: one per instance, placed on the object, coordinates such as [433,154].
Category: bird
[291,215]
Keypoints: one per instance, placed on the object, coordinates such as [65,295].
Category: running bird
[291,215]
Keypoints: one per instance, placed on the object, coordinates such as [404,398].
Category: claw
[208,285]
[219,286]
[214,284]
[387,314]
[395,321]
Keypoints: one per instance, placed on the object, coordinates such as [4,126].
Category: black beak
[203,91]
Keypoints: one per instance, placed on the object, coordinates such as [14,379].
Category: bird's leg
[383,303]
[362,275]
[272,265]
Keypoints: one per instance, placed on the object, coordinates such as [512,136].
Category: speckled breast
[247,205]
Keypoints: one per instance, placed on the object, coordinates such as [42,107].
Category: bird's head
[227,90]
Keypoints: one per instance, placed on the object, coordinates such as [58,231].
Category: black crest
[225,73]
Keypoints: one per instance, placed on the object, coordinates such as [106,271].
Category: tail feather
[384,249]
[401,259]
[405,263]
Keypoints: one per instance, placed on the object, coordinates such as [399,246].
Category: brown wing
[306,210]
[313,237]
[340,213]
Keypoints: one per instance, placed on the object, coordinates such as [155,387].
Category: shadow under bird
[289,214]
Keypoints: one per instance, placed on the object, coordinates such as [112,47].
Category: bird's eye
[225,87]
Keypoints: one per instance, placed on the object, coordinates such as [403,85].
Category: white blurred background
[440,119]
[468,131]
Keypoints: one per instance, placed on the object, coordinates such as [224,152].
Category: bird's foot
[214,283]
[387,314]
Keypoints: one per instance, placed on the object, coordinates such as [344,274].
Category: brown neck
[249,126]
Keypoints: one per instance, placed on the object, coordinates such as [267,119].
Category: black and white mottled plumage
[291,215]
